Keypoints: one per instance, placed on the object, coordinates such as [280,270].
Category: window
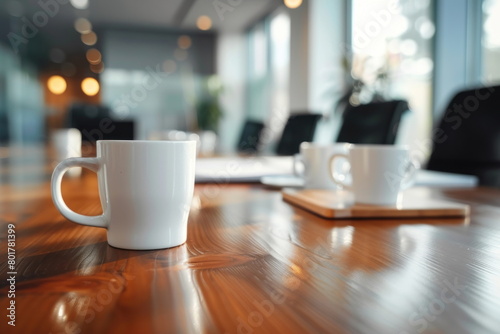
[268,72]
[258,76]
[391,45]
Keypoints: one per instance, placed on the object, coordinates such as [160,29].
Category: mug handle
[334,175]
[298,159]
[91,163]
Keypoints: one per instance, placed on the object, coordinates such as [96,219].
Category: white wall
[299,58]
[450,52]
[457,48]
[327,24]
[231,69]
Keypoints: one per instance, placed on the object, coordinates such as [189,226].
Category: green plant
[208,109]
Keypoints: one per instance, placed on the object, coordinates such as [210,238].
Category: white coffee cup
[145,187]
[67,143]
[315,158]
[378,173]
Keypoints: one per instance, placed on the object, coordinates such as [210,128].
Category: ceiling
[228,15]
[140,15]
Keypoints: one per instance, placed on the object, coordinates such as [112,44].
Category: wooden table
[252,264]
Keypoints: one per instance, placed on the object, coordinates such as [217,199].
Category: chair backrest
[4,127]
[372,123]
[467,140]
[298,128]
[95,123]
[88,118]
[250,137]
[120,130]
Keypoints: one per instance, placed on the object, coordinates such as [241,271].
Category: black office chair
[250,137]
[4,127]
[95,123]
[299,128]
[467,140]
[372,123]
[120,130]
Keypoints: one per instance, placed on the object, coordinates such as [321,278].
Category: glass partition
[268,73]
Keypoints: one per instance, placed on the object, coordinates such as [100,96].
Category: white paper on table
[253,169]
[238,169]
[432,178]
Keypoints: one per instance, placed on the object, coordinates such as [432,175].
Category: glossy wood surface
[253,264]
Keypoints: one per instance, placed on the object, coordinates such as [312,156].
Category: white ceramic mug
[67,143]
[315,160]
[145,187]
[378,173]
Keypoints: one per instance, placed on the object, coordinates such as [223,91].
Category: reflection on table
[252,264]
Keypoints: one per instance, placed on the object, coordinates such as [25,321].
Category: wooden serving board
[341,205]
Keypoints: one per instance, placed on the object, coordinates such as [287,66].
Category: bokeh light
[204,22]
[94,56]
[184,42]
[89,38]
[56,84]
[83,26]
[80,4]
[293,3]
[90,86]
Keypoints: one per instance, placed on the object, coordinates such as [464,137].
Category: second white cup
[314,160]
[378,173]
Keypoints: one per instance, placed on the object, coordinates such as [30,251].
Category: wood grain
[254,264]
[341,205]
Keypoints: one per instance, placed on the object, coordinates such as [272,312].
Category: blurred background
[210,65]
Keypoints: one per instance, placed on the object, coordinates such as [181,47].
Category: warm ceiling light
[97,68]
[90,86]
[293,3]
[204,22]
[83,25]
[94,56]
[79,4]
[184,42]
[89,38]
[56,84]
